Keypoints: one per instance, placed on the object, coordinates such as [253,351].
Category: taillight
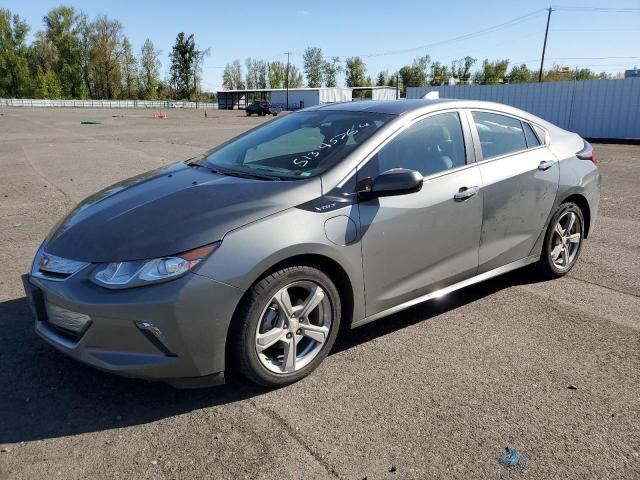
[587,153]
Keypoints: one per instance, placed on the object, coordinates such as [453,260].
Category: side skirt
[451,288]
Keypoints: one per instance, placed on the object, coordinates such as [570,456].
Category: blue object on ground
[512,459]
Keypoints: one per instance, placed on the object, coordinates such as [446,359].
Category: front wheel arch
[328,266]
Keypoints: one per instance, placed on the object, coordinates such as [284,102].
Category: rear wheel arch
[583,204]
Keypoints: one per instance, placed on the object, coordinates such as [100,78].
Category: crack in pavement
[68,200]
[292,433]
[604,286]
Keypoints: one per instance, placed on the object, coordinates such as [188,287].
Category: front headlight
[144,272]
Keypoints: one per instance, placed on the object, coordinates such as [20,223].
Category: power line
[596,9]
[467,36]
[595,29]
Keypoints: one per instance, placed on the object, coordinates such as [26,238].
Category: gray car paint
[262,224]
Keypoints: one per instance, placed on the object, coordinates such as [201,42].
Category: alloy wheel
[293,327]
[565,241]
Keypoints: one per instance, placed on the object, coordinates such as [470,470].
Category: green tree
[232,76]
[313,65]
[296,80]
[276,74]
[492,72]
[104,58]
[522,74]
[262,71]
[439,74]
[331,69]
[183,57]
[84,33]
[461,69]
[42,54]
[355,72]
[129,66]
[383,78]
[197,71]
[149,74]
[416,75]
[48,85]
[251,77]
[584,74]
[62,26]
[15,81]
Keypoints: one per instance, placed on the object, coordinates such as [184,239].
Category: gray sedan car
[253,255]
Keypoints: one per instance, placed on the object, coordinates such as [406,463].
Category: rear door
[520,180]
[417,243]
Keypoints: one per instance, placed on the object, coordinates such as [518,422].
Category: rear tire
[562,242]
[285,326]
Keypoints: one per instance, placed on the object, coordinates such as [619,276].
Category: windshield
[299,145]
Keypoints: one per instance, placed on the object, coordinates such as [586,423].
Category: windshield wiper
[236,173]
[233,173]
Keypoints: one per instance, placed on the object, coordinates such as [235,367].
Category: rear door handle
[466,192]
[546,165]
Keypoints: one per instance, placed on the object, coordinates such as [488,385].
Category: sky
[386,34]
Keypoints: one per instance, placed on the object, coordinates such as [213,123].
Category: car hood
[168,211]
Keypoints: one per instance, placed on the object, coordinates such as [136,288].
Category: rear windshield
[300,145]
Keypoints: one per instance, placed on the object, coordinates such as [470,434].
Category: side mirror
[397,181]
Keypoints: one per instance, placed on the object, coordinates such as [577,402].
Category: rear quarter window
[499,134]
[532,139]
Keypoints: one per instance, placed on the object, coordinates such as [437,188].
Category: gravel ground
[437,391]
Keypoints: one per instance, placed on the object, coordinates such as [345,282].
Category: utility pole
[397,86]
[544,46]
[286,80]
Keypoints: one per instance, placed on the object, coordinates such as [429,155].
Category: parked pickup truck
[261,108]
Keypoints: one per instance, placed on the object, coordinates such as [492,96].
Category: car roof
[395,107]
[404,106]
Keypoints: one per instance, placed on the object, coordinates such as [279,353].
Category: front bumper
[174,331]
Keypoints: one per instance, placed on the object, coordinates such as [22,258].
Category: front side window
[499,134]
[300,145]
[429,146]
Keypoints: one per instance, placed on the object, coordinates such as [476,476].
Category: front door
[520,182]
[417,243]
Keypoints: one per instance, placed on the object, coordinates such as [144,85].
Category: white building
[298,97]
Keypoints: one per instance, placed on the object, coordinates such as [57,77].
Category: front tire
[286,325]
[563,241]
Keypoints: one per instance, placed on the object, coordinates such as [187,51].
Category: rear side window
[532,139]
[499,134]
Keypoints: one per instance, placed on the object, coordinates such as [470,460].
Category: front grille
[53,267]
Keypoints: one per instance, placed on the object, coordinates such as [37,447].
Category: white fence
[592,108]
[39,103]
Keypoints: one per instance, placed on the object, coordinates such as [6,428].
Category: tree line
[75,57]
[321,71]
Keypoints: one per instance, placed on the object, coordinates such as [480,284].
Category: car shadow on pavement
[45,394]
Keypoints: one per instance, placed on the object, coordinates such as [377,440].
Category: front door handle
[466,192]
[546,165]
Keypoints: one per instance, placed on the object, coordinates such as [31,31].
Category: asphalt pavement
[550,368]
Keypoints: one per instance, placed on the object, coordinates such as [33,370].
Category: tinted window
[532,140]
[299,145]
[541,133]
[499,134]
[429,146]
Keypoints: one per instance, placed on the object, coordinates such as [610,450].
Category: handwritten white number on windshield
[304,161]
